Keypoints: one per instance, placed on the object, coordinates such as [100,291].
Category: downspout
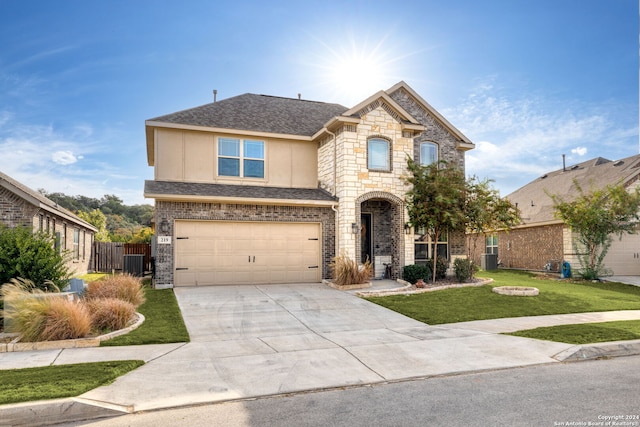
[333,206]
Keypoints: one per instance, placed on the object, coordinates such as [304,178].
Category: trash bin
[566,270]
[489,262]
[134,264]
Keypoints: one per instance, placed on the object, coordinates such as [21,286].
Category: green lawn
[479,303]
[586,333]
[55,382]
[163,321]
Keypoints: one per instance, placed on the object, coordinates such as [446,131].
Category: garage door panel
[219,252]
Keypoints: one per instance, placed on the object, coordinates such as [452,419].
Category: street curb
[600,350]
[48,412]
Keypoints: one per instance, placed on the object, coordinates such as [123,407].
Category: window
[378,154]
[424,247]
[492,244]
[76,243]
[242,158]
[428,153]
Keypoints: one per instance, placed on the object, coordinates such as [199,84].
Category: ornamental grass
[347,271]
[124,287]
[110,314]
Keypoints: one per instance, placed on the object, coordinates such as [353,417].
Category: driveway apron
[249,341]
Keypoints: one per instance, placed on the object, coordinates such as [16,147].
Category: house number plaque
[164,240]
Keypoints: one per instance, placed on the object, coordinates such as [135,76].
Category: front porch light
[164,226]
[407,228]
[354,228]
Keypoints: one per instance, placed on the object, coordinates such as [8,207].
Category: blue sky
[526,80]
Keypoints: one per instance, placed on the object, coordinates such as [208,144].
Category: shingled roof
[158,189]
[37,199]
[534,201]
[260,113]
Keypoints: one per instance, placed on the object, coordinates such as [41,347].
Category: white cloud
[64,157]
[520,138]
[580,151]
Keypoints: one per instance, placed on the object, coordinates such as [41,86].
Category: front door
[366,243]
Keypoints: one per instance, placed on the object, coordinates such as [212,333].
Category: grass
[55,382]
[480,303]
[586,333]
[163,321]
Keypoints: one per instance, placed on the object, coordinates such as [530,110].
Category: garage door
[221,252]
[623,257]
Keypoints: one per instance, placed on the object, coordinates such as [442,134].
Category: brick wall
[16,211]
[237,212]
[526,248]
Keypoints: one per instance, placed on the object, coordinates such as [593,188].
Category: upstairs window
[428,153]
[378,154]
[242,158]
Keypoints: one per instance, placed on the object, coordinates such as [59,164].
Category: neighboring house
[542,240]
[22,206]
[264,189]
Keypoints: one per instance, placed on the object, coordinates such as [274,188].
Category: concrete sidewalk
[250,341]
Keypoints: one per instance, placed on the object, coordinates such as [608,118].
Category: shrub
[123,286]
[464,269]
[32,256]
[411,273]
[441,267]
[110,314]
[65,319]
[347,271]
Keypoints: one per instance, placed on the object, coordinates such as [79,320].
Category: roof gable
[37,199]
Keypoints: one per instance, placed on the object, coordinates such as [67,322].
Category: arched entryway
[381,237]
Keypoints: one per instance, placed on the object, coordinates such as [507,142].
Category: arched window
[428,153]
[378,154]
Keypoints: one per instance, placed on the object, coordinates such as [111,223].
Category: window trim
[241,158]
[388,167]
[437,149]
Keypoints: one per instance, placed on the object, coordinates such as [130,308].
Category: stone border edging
[406,289]
[16,345]
[520,291]
[347,287]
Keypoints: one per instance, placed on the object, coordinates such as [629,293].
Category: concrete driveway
[252,341]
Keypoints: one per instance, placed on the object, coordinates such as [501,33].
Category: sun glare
[354,69]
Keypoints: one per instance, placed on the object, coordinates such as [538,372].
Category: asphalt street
[597,392]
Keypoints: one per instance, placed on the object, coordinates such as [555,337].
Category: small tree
[99,221]
[486,211]
[596,217]
[31,256]
[436,200]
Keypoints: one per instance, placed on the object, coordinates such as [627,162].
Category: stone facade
[172,211]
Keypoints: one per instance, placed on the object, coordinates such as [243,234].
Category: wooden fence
[109,256]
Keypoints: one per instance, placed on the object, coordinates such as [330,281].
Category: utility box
[489,262]
[134,264]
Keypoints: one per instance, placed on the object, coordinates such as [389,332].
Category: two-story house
[264,189]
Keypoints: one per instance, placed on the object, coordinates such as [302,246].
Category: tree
[595,217]
[436,200]
[486,211]
[31,256]
[143,235]
[99,221]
